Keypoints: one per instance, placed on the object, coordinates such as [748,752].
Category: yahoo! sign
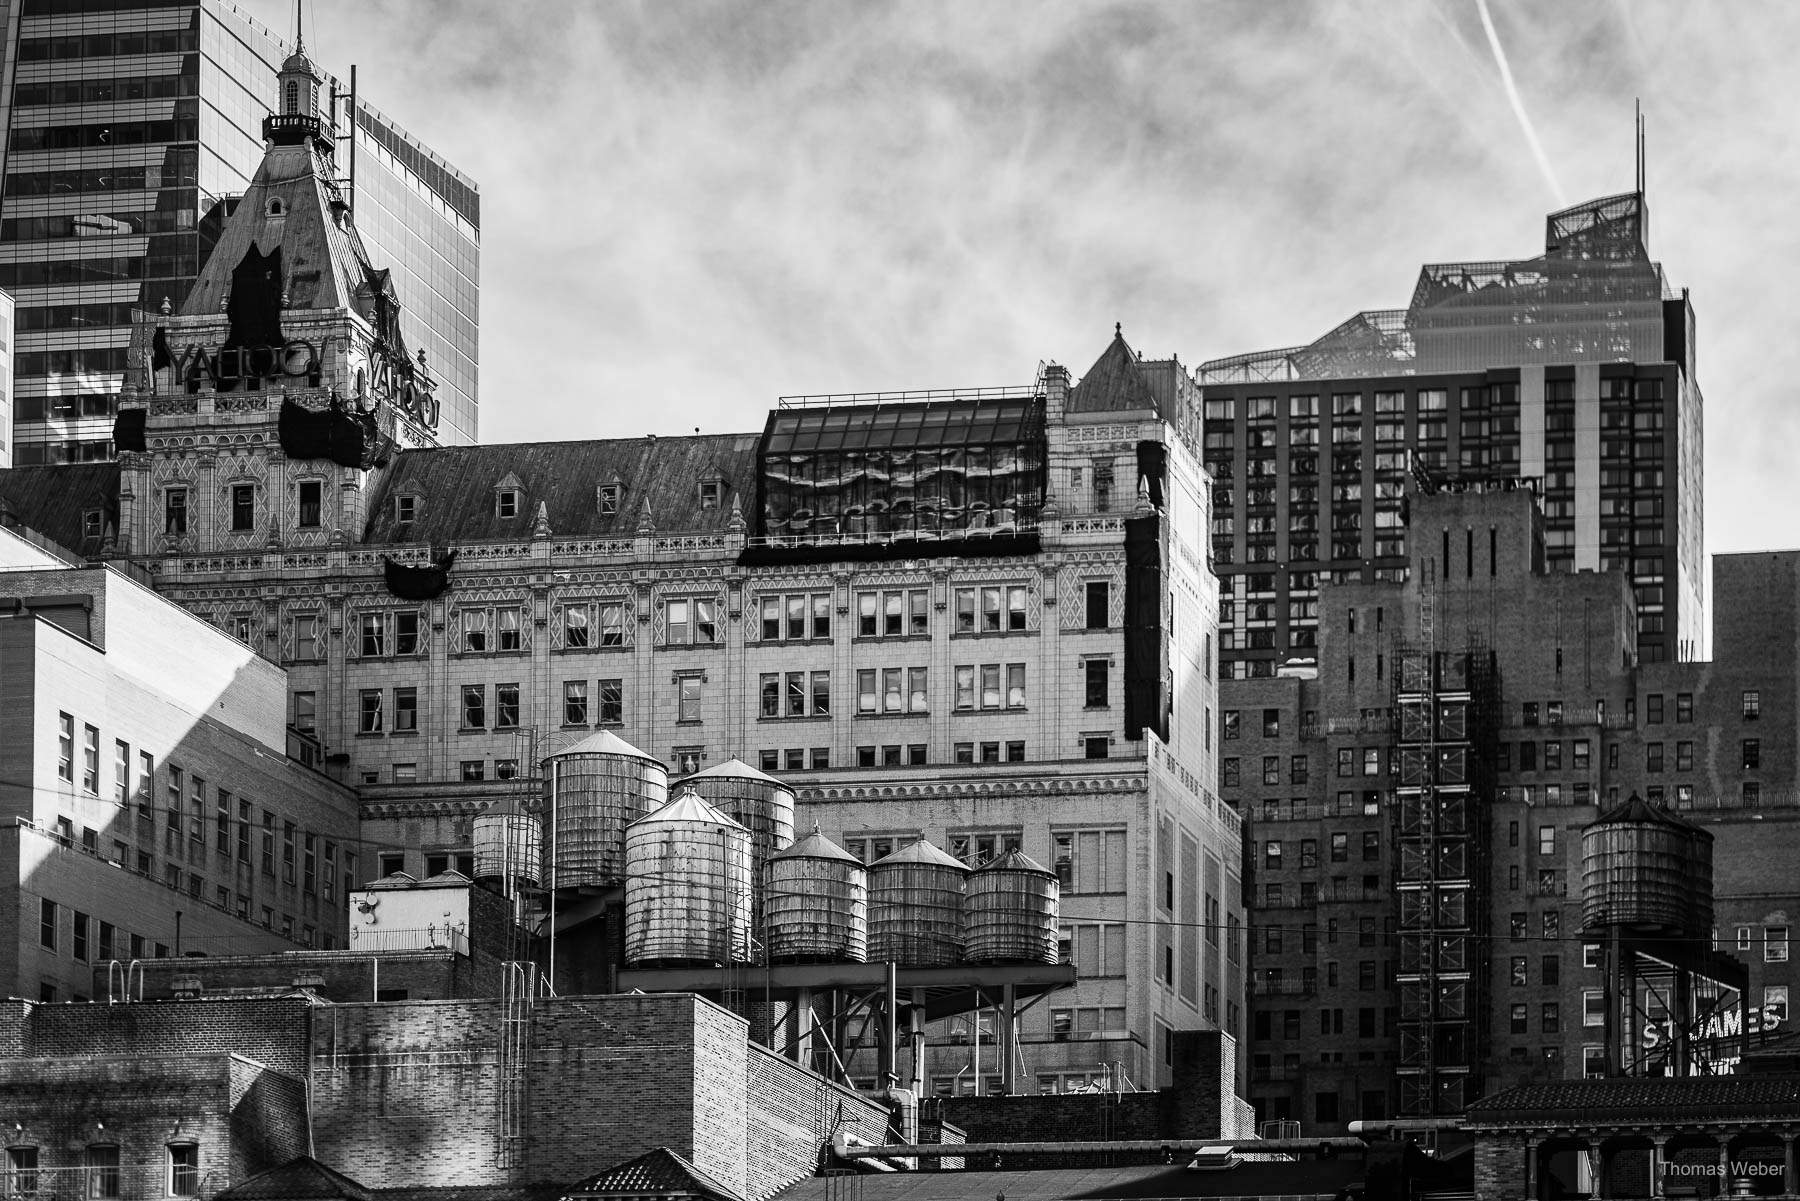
[295,359]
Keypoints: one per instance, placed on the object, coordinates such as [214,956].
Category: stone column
[1724,1164]
[1601,1175]
[1658,1163]
[1531,1154]
[1788,1183]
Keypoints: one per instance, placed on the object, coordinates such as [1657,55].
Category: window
[506,502]
[65,747]
[1752,704]
[796,617]
[1346,761]
[1684,756]
[1752,754]
[47,924]
[90,760]
[406,511]
[1015,685]
[1775,944]
[474,707]
[306,636]
[1593,1007]
[1099,597]
[1230,724]
[1521,1018]
[1297,769]
[406,710]
[1551,970]
[21,1171]
[692,622]
[710,491]
[1552,924]
[1096,746]
[1653,709]
[1546,840]
[575,703]
[688,698]
[1090,861]
[893,614]
[1271,721]
[1340,848]
[175,511]
[474,769]
[607,497]
[311,492]
[243,507]
[102,1173]
[612,702]
[506,706]
[1098,672]
[373,636]
[370,722]
[306,712]
[1552,1017]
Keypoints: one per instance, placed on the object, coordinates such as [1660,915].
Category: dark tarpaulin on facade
[160,354]
[977,547]
[1153,460]
[348,437]
[254,306]
[128,429]
[1143,628]
[419,583]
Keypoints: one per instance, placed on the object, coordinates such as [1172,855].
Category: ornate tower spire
[297,117]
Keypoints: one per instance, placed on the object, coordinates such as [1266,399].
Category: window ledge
[403,734]
[900,715]
[826,640]
[977,634]
[472,730]
[611,649]
[797,718]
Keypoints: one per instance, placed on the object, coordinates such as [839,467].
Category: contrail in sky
[1512,94]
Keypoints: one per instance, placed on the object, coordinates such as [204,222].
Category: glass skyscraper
[131,127]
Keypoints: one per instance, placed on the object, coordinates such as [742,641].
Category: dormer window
[91,523]
[710,491]
[608,496]
[506,503]
[406,510]
[275,208]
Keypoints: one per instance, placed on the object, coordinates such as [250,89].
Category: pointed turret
[1114,384]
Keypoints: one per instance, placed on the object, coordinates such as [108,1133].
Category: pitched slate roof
[303,1179]
[660,1173]
[50,500]
[322,259]
[456,487]
[1722,1098]
[1114,384]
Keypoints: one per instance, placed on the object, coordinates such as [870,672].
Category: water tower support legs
[1683,1014]
[916,1033]
[890,1012]
[1008,1060]
[803,1027]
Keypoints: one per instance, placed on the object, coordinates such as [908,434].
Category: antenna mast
[1640,147]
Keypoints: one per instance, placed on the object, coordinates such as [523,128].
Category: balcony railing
[1283,988]
[429,938]
[121,1182]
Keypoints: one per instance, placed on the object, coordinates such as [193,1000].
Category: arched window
[292,104]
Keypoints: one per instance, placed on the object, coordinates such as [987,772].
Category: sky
[691,209]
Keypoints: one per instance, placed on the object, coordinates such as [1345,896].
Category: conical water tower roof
[1016,861]
[604,742]
[922,852]
[736,769]
[816,846]
[1634,810]
[688,808]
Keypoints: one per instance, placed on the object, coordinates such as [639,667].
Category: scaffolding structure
[1447,717]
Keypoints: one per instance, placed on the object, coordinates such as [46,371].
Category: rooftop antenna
[299,28]
[1640,147]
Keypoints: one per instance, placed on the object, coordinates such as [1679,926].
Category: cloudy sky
[690,209]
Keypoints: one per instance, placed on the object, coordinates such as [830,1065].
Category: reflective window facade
[131,128]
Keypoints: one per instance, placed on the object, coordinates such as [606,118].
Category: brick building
[981,616]
[1574,725]
[151,808]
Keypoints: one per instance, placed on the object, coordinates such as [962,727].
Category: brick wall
[1499,1167]
[268,1118]
[241,1117]
[338,976]
[272,1031]
[792,1114]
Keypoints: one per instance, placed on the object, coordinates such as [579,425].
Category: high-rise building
[1414,808]
[131,128]
[1575,367]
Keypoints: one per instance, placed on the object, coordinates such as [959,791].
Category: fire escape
[1445,706]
